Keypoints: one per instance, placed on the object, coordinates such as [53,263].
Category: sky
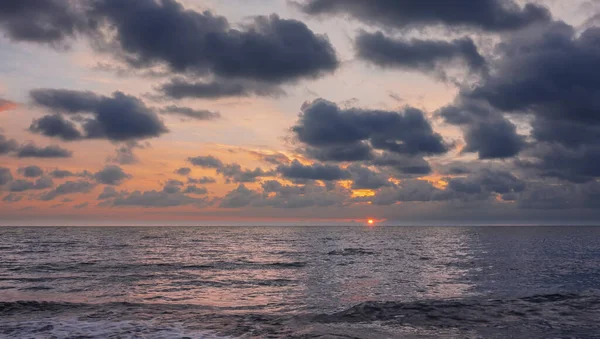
[305,111]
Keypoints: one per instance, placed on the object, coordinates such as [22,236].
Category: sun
[370,221]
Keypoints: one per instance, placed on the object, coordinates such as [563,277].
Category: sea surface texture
[300,282]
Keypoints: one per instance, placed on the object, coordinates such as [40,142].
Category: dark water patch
[351,251]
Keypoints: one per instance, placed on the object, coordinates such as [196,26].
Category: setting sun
[370,221]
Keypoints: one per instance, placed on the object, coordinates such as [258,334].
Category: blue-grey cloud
[119,118]
[323,125]
[41,21]
[296,170]
[487,15]
[111,175]
[270,49]
[429,56]
[32,171]
[69,187]
[179,88]
[31,150]
[5,176]
[186,112]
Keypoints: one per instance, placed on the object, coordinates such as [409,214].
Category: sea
[300,282]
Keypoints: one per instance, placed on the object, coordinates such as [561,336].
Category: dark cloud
[179,88]
[110,192]
[158,200]
[57,127]
[111,175]
[173,186]
[186,112]
[61,174]
[69,187]
[53,151]
[358,151]
[410,190]
[206,162]
[531,61]
[429,56]
[7,145]
[487,15]
[270,49]
[554,160]
[31,171]
[183,171]
[364,178]
[5,176]
[25,185]
[296,170]
[239,197]
[118,118]
[235,173]
[310,194]
[325,126]
[45,21]
[203,180]
[403,164]
[192,189]
[494,139]
[491,181]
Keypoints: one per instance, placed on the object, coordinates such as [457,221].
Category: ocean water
[300,282]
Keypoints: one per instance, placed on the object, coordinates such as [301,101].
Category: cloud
[410,165]
[235,173]
[57,127]
[11,198]
[192,189]
[206,162]
[186,112]
[5,176]
[30,150]
[310,194]
[117,118]
[53,151]
[111,175]
[61,174]
[81,206]
[239,197]
[312,172]
[173,186]
[110,192]
[7,145]
[364,178]
[24,185]
[41,21]
[270,49]
[179,88]
[69,187]
[124,154]
[429,56]
[203,180]
[554,160]
[487,15]
[494,139]
[183,171]
[158,200]
[31,171]
[323,125]
[492,181]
